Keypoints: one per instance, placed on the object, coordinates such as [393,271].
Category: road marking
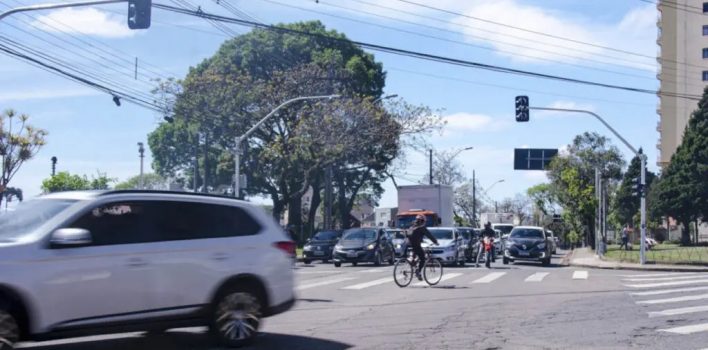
[378,269]
[668,291]
[680,311]
[659,279]
[674,300]
[370,284]
[323,283]
[659,274]
[489,277]
[580,275]
[536,277]
[316,272]
[695,328]
[666,284]
[445,277]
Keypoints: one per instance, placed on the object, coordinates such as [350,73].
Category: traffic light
[139,14]
[522,108]
[557,218]
[637,187]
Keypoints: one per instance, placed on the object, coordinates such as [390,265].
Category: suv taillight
[286,246]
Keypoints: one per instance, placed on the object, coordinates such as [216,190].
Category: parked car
[451,249]
[321,246]
[364,245]
[399,241]
[552,241]
[82,263]
[528,243]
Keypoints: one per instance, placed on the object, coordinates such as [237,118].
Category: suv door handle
[220,256]
[136,262]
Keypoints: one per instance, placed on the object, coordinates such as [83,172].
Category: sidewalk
[584,257]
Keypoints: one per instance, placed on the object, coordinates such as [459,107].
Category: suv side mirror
[70,237]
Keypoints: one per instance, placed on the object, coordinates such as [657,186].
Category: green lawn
[661,254]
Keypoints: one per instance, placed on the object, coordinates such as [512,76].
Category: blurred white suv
[81,263]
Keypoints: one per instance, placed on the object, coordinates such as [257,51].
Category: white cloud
[467,122]
[562,105]
[45,94]
[635,32]
[89,21]
[536,176]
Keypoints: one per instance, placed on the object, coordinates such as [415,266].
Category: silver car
[450,249]
[399,241]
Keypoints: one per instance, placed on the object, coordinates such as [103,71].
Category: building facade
[683,68]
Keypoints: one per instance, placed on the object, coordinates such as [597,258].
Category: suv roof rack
[197,194]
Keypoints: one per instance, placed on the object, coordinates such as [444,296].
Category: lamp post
[141,150]
[430,155]
[239,139]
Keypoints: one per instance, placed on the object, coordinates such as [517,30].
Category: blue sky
[88,133]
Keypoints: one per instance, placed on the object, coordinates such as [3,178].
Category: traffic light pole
[57,6]
[642,158]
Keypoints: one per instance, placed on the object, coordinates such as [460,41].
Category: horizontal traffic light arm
[57,6]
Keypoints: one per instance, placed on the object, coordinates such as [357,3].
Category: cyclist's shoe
[418,275]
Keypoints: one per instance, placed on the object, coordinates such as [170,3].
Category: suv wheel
[9,331]
[337,264]
[236,317]
[307,262]
[378,260]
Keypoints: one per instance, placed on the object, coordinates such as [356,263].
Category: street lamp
[451,158]
[239,139]
[141,150]
[492,185]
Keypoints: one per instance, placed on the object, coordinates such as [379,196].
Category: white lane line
[580,275]
[370,284]
[668,291]
[315,272]
[445,277]
[667,284]
[489,277]
[679,311]
[379,269]
[674,300]
[660,279]
[694,328]
[323,283]
[659,274]
[536,277]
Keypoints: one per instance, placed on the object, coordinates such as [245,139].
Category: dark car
[364,245]
[320,247]
[470,237]
[528,243]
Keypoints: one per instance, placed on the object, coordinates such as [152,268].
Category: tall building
[683,68]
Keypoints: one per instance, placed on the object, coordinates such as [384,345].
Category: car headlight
[398,246]
[450,248]
[509,244]
[337,247]
[371,246]
[307,248]
[541,246]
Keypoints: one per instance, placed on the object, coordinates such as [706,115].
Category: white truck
[434,201]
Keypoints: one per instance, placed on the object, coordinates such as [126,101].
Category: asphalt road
[519,306]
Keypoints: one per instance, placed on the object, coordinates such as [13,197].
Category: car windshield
[466,234]
[526,233]
[325,236]
[28,216]
[441,234]
[398,235]
[357,234]
[504,228]
[406,221]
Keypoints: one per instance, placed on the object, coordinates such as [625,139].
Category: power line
[425,56]
[675,6]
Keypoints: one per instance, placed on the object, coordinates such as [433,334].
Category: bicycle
[404,270]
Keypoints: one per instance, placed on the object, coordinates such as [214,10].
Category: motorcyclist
[488,233]
[415,238]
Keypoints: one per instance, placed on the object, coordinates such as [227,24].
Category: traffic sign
[533,158]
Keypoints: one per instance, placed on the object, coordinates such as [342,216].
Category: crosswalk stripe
[489,277]
[369,284]
[679,311]
[659,274]
[695,328]
[580,275]
[667,284]
[674,300]
[536,277]
[659,279]
[379,269]
[324,283]
[445,277]
[669,291]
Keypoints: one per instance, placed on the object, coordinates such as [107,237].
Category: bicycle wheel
[403,273]
[432,271]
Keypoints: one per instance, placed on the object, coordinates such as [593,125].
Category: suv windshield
[357,234]
[503,228]
[28,216]
[441,234]
[325,236]
[526,233]
[466,234]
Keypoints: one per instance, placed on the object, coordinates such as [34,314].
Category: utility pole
[474,200]
[328,198]
[141,150]
[196,164]
[54,166]
[431,166]
[205,185]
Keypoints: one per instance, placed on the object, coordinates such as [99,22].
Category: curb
[635,267]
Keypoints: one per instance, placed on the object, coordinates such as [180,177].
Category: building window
[705,7]
[705,75]
[705,30]
[705,52]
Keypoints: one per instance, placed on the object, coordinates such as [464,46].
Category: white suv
[80,263]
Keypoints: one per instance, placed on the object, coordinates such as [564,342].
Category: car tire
[337,264]
[378,259]
[9,330]
[355,263]
[325,261]
[505,261]
[307,262]
[392,260]
[461,262]
[546,262]
[236,316]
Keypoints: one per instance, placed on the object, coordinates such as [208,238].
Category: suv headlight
[337,247]
[307,248]
[398,246]
[541,246]
[371,246]
[509,244]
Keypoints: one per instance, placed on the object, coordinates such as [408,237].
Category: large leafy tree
[625,204]
[151,181]
[682,191]
[19,142]
[65,181]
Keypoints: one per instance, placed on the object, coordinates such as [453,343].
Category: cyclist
[415,238]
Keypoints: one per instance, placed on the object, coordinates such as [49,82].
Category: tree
[446,170]
[151,181]
[464,207]
[520,207]
[625,204]
[682,190]
[544,202]
[573,179]
[64,181]
[18,147]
